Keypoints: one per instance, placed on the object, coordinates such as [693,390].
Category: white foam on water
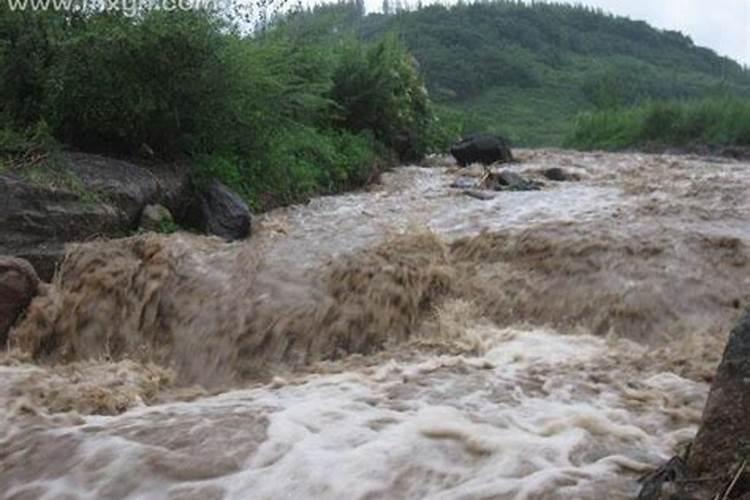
[441,427]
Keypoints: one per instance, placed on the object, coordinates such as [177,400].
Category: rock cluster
[88,196]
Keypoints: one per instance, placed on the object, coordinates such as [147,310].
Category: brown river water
[408,341]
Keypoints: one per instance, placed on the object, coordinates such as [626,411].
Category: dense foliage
[527,68]
[323,98]
[710,121]
[277,119]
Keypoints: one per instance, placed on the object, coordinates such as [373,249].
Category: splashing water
[406,342]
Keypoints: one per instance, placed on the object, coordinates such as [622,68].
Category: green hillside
[528,70]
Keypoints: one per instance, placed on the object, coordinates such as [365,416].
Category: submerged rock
[220,211]
[724,436]
[18,285]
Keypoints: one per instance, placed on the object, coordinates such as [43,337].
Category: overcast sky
[722,25]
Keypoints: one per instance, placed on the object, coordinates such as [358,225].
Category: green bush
[378,89]
[28,48]
[117,83]
[276,118]
[299,163]
[710,121]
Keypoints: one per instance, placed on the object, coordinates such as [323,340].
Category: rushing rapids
[405,342]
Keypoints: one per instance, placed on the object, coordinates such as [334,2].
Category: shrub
[118,82]
[276,118]
[712,121]
[379,89]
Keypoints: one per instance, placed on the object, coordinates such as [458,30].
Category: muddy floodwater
[407,341]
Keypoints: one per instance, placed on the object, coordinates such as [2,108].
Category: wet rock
[155,217]
[84,196]
[479,195]
[481,148]
[509,181]
[724,436]
[18,285]
[557,174]
[671,481]
[124,186]
[219,211]
[176,190]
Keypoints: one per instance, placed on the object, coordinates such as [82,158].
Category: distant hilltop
[528,69]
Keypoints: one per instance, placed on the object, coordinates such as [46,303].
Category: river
[407,341]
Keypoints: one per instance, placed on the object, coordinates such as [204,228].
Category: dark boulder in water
[724,436]
[18,285]
[718,463]
[219,211]
[481,148]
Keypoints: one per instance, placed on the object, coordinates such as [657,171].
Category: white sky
[722,25]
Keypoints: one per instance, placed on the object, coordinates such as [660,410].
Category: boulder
[481,148]
[18,285]
[155,217]
[724,435]
[557,174]
[85,196]
[714,467]
[219,211]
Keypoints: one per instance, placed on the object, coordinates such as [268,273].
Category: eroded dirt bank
[409,341]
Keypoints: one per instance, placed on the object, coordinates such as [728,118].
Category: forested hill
[528,69]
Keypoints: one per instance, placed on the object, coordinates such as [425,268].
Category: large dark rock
[219,211]
[481,148]
[719,459]
[724,436]
[18,285]
[86,196]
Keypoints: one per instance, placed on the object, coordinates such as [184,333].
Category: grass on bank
[718,121]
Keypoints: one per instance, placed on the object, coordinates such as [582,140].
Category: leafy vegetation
[526,69]
[325,98]
[276,119]
[711,121]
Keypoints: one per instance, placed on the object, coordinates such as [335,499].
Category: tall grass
[711,121]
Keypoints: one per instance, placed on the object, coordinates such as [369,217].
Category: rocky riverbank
[80,197]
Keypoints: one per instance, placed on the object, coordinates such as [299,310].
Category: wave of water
[406,342]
